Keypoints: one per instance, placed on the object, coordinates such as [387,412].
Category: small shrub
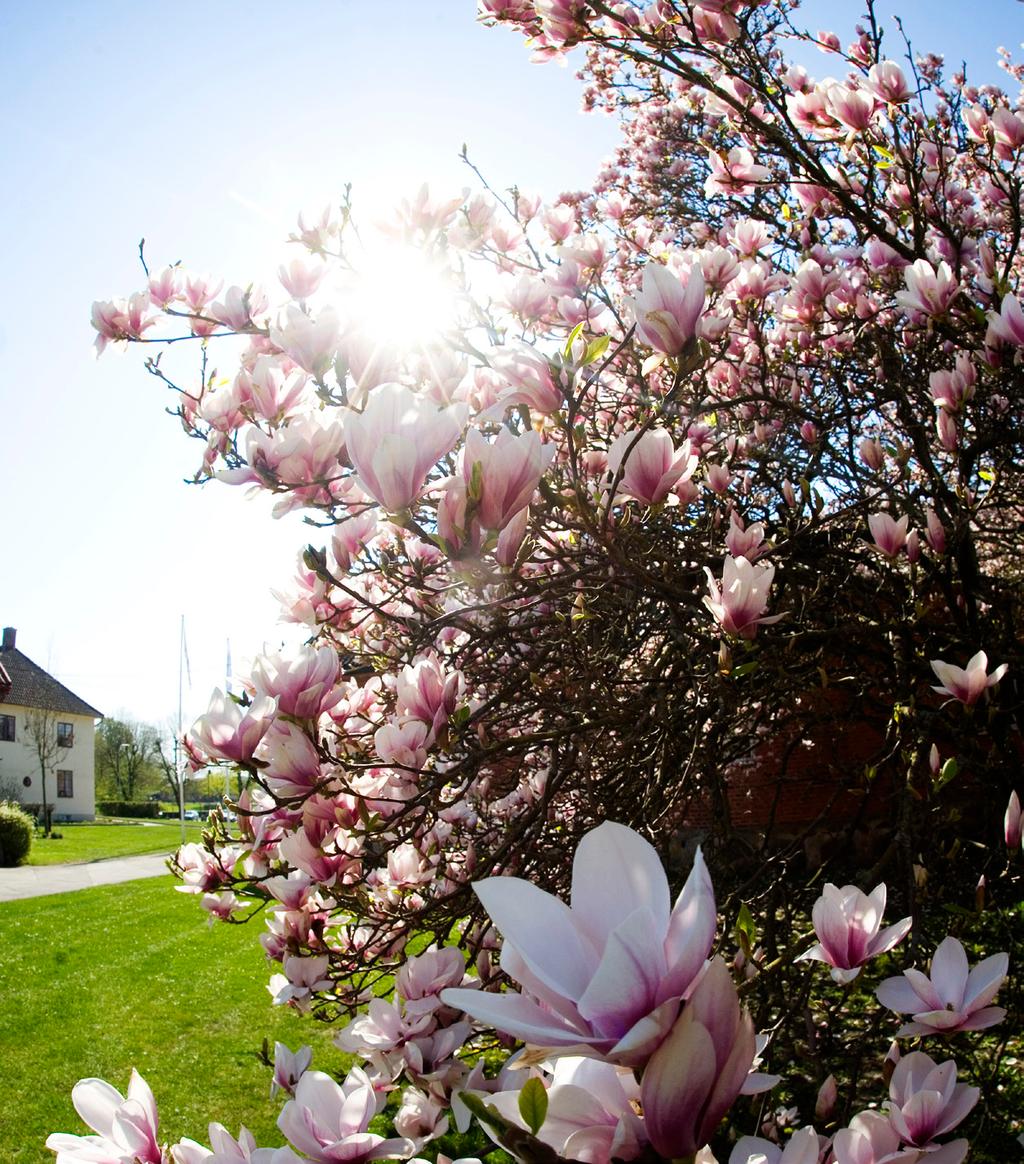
[15,835]
[133,808]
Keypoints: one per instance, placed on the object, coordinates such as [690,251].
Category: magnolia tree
[691,503]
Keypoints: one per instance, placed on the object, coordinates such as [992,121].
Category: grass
[89,841]
[105,979]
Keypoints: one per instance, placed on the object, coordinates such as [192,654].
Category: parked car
[191,814]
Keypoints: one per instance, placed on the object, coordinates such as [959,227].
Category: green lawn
[96,982]
[90,841]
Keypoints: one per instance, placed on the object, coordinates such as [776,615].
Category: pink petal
[515,1015]
[625,985]
[984,980]
[543,931]
[615,872]
[949,972]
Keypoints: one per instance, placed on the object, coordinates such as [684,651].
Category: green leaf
[533,1104]
[946,773]
[596,349]
[743,669]
[746,933]
[573,336]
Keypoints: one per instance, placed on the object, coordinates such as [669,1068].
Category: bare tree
[126,753]
[49,747]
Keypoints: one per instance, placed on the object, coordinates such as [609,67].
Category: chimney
[10,634]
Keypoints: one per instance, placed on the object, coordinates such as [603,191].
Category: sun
[402,297]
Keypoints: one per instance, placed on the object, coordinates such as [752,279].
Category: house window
[65,784]
[65,735]
[6,727]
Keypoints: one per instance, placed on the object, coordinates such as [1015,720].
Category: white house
[26,693]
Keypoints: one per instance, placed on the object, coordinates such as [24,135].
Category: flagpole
[182,649]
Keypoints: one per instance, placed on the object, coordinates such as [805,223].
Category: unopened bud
[825,1104]
[1013,823]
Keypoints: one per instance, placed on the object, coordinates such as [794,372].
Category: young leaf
[533,1104]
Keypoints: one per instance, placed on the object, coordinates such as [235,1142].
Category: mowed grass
[99,981]
[89,841]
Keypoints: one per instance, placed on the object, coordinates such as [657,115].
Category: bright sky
[206,128]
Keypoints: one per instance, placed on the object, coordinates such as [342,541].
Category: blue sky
[205,128]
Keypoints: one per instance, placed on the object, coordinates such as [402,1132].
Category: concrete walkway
[40,880]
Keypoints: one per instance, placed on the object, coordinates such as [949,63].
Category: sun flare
[402,297]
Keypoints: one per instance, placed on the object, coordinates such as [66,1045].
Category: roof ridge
[32,686]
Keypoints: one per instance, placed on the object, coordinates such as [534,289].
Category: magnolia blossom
[327,1122]
[126,1128]
[847,923]
[803,1148]
[740,602]
[925,1100]
[667,311]
[229,731]
[653,465]
[930,290]
[954,998]
[889,534]
[869,1139]
[736,173]
[1013,822]
[303,682]
[510,469]
[396,440]
[591,1112]
[605,973]
[695,1076]
[1008,325]
[289,1067]
[967,685]
[311,343]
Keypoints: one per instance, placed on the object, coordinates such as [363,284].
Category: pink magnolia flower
[396,440]
[847,923]
[667,311]
[607,972]
[736,173]
[591,1112]
[869,1139]
[803,1148]
[301,277]
[954,998]
[740,603]
[424,690]
[966,685]
[695,1075]
[531,381]
[303,683]
[1013,822]
[653,465]
[311,343]
[424,976]
[225,1149]
[887,81]
[229,731]
[930,290]
[327,1122]
[745,541]
[925,1100]
[510,469]
[289,1067]
[890,536]
[1008,325]
[126,1128]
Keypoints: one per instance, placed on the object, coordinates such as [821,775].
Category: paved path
[40,880]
